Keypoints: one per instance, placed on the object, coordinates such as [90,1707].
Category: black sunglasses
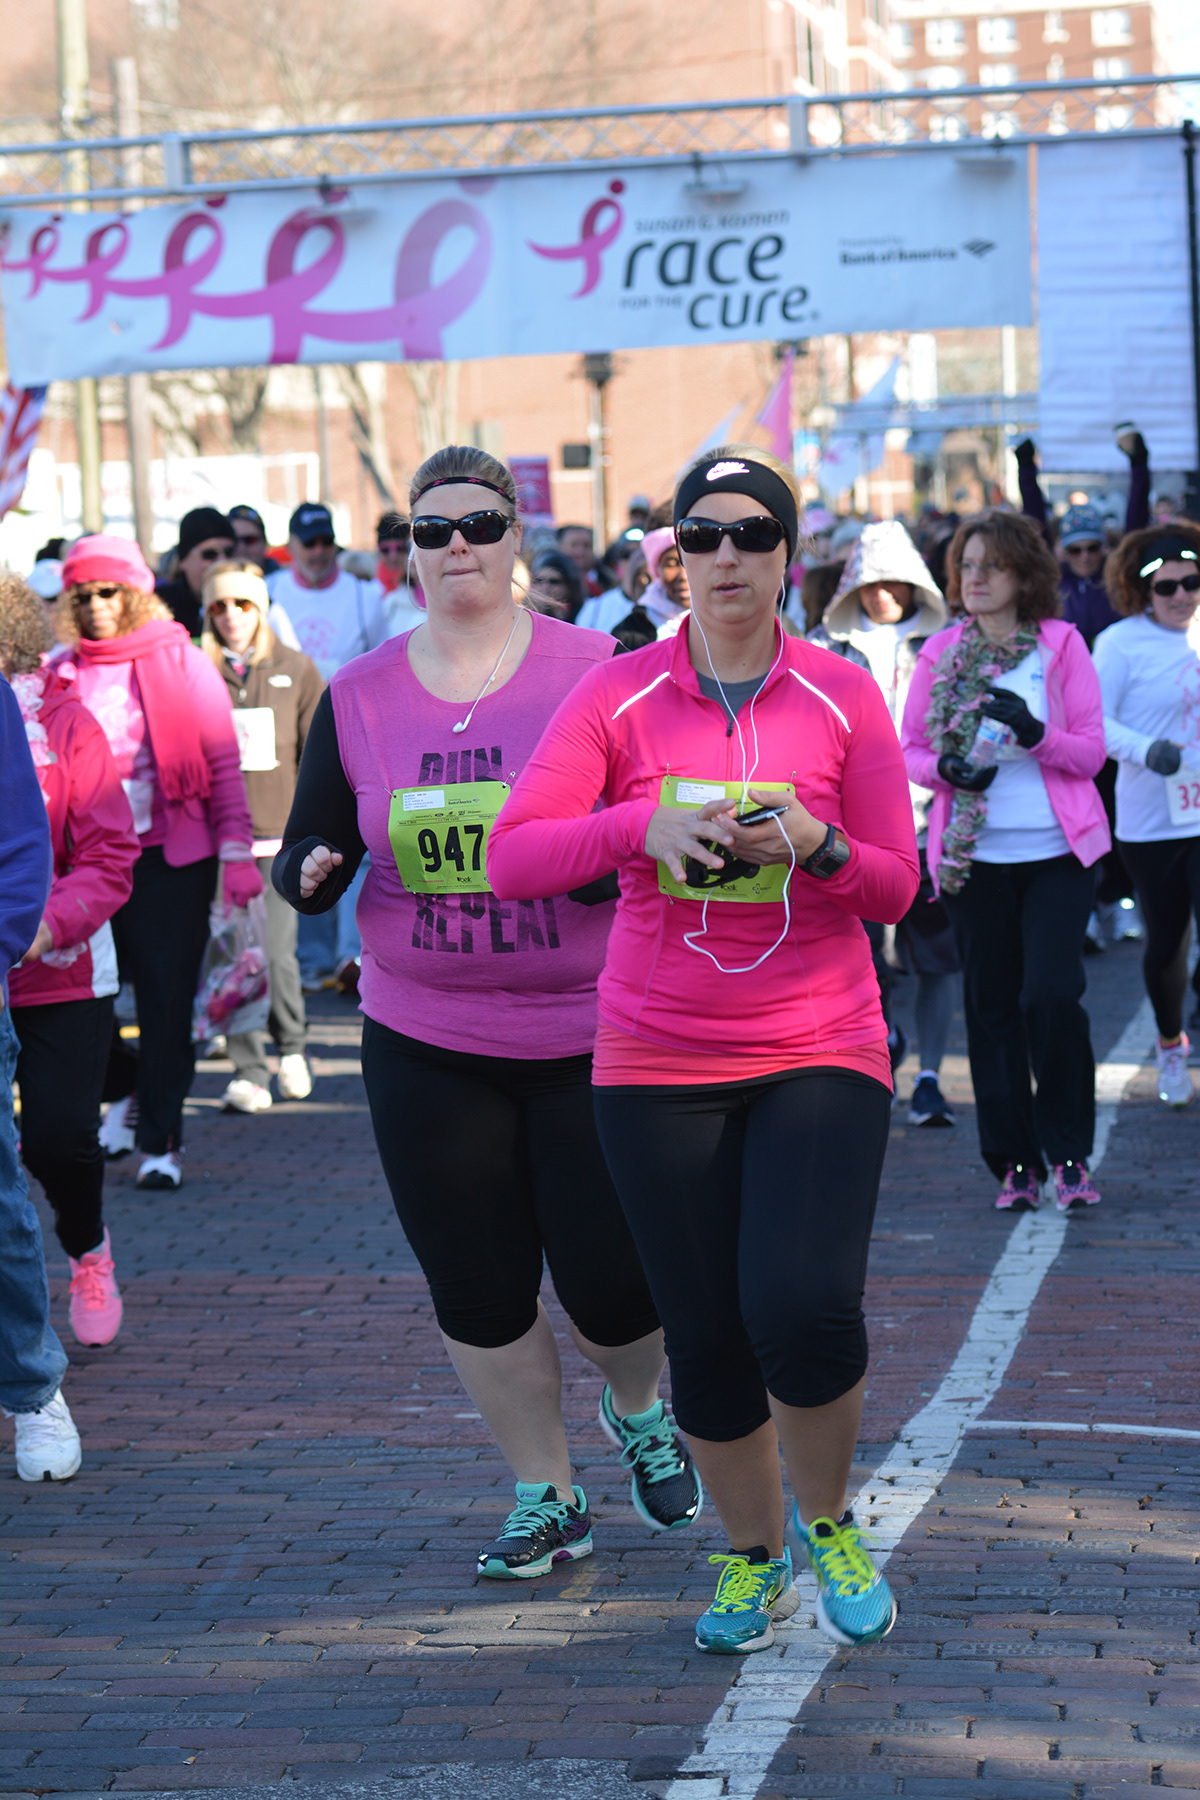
[700,537]
[325,542]
[1167,589]
[242,539]
[211,555]
[432,533]
[397,541]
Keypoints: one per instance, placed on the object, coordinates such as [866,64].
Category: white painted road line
[1035,1426]
[770,1686]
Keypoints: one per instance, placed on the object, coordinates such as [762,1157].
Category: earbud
[461,726]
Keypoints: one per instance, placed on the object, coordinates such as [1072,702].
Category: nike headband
[1171,547]
[740,475]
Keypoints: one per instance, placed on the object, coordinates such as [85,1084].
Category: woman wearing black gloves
[1004,722]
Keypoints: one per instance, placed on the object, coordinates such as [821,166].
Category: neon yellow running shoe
[749,1595]
[855,1605]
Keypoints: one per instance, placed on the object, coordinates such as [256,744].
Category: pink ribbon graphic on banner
[415,319]
[592,243]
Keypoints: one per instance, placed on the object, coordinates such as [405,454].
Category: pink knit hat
[653,545]
[107,558]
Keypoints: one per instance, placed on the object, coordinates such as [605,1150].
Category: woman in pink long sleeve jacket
[741,1075]
[1012,844]
[166,714]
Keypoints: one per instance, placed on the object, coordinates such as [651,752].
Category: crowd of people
[624,858]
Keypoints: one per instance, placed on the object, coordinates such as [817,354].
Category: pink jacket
[822,724]
[196,828]
[1071,752]
[94,844]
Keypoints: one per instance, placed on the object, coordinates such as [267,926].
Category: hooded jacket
[289,683]
[885,552]
[1071,751]
[93,841]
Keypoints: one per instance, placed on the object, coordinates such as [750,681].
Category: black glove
[1134,446]
[1026,454]
[1164,757]
[1012,711]
[962,774]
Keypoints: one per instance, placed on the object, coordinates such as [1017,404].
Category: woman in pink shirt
[742,1079]
[480,1015]
[166,715]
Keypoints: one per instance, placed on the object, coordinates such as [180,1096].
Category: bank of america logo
[978,247]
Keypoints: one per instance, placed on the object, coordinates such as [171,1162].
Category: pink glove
[240,883]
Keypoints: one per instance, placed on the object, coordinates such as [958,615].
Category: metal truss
[114,170]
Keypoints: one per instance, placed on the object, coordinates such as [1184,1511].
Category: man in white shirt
[334,616]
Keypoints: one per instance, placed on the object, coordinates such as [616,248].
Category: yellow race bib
[439,835]
[685,792]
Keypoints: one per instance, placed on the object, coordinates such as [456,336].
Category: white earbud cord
[747,778]
[463,723]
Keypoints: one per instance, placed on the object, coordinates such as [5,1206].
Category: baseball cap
[1081,525]
[310,521]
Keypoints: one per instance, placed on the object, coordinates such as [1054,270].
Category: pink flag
[776,414]
[20,416]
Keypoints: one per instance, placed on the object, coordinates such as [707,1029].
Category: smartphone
[760,816]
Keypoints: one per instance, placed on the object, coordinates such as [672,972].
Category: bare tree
[435,388]
[368,429]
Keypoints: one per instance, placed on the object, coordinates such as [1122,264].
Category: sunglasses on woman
[220,607]
[488,527]
[700,537]
[1168,589]
[213,554]
[107,592]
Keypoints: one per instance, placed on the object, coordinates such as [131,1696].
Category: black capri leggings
[492,1161]
[1166,874]
[752,1206]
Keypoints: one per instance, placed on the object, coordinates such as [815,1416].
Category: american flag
[20,416]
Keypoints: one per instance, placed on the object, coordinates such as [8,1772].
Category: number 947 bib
[439,835]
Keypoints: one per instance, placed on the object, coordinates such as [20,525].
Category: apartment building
[990,43]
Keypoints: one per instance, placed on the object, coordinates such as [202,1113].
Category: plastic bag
[234,991]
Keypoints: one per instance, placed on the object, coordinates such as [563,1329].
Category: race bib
[1183,798]
[254,728]
[767,884]
[439,835]
[140,795]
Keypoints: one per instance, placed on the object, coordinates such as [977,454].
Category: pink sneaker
[1021,1188]
[1075,1186]
[96,1308]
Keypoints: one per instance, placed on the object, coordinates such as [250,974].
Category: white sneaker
[118,1129]
[1174,1081]
[245,1097]
[48,1447]
[160,1172]
[294,1080]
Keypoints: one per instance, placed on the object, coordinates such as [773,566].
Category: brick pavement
[263,1574]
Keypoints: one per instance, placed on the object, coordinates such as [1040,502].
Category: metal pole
[138,427]
[598,370]
[1007,432]
[1189,159]
[73,79]
[326,487]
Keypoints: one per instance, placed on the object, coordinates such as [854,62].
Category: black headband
[461,481]
[1171,547]
[740,475]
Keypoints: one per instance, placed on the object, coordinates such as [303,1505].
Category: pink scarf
[158,652]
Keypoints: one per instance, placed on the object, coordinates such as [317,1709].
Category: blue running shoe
[749,1595]
[855,1605]
[665,1487]
[540,1531]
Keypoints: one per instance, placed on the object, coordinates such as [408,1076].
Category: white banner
[1113,302]
[520,265]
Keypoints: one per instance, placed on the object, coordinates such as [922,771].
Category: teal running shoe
[665,1487]
[855,1605]
[749,1595]
[541,1530]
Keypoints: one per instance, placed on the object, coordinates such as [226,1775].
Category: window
[997,35]
[1112,68]
[997,74]
[1111,26]
[157,15]
[945,37]
[901,40]
[1113,118]
[999,124]
[943,75]
[1054,69]
[946,128]
[1054,31]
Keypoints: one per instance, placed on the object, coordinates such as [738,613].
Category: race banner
[520,264]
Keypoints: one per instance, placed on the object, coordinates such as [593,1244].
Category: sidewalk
[263,1574]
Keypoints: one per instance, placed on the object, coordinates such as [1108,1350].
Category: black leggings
[1166,875]
[492,1161]
[60,1071]
[752,1206]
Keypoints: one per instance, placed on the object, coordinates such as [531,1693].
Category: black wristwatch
[832,855]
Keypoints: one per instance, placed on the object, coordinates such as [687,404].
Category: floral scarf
[964,672]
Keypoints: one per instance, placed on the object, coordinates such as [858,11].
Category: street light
[598,372]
